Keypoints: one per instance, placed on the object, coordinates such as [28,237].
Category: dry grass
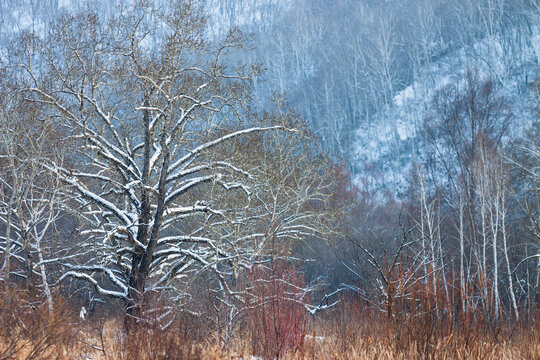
[373,339]
[28,331]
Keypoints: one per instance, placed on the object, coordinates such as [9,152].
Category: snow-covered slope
[385,151]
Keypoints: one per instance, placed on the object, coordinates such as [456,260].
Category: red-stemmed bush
[276,316]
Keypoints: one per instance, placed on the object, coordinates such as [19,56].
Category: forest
[270,179]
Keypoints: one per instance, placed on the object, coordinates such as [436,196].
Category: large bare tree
[175,173]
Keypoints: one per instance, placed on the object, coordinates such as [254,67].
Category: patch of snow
[317,338]
[403,96]
[83,313]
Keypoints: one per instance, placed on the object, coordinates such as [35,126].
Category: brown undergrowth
[353,330]
[30,329]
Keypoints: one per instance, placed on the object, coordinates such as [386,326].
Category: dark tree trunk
[135,302]
[137,277]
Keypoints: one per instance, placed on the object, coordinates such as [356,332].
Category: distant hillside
[384,152]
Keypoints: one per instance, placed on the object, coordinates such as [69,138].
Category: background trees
[525,185]
[31,199]
[468,198]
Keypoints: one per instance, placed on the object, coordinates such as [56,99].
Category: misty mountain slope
[384,153]
[362,73]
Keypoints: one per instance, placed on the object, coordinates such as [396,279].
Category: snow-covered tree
[174,174]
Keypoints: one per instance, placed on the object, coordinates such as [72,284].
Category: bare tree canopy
[172,172]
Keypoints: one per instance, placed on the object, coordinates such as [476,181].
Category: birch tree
[527,161]
[471,119]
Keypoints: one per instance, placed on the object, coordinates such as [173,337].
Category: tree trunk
[135,302]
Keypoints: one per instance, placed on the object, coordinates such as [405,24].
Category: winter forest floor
[29,331]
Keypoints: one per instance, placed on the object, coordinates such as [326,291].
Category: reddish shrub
[275,312]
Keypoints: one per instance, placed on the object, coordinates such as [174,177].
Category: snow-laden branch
[219,140]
